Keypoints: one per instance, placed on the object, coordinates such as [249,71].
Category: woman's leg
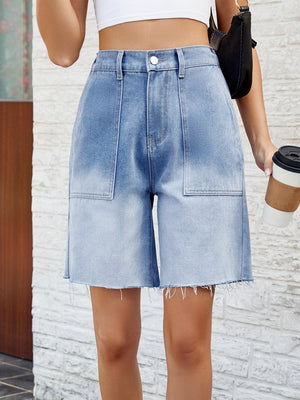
[117,325]
[187,336]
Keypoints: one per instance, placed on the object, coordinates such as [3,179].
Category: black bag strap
[214,27]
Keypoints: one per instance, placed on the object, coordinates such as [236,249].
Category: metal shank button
[153,60]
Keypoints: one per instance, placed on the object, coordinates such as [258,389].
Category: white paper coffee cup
[283,192]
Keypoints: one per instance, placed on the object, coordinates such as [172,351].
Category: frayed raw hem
[183,290]
[228,286]
[171,289]
[87,287]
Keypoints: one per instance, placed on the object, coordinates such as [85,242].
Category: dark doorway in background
[16,145]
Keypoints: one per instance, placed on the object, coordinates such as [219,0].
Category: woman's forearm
[252,109]
[62,28]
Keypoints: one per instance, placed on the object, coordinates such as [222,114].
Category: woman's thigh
[117,323]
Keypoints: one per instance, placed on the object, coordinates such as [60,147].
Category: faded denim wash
[167,129]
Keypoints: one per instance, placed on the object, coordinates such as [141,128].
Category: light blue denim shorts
[157,122]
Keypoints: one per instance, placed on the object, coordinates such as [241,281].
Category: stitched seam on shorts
[91,195]
[234,123]
[230,106]
[151,245]
[117,133]
[147,134]
[77,125]
[186,133]
[153,172]
[242,260]
[157,70]
[182,128]
[212,192]
[113,153]
[67,266]
[166,107]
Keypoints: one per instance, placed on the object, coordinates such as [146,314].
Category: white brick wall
[255,339]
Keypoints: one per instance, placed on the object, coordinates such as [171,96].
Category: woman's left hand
[263,156]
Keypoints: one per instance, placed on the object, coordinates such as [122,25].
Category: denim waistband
[140,60]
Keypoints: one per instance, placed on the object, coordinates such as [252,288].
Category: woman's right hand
[263,154]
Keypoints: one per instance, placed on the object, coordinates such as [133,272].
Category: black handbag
[234,51]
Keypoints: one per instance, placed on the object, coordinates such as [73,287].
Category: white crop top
[112,12]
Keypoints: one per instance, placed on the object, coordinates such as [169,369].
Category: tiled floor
[16,378]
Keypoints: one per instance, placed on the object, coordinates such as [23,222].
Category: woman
[156,117]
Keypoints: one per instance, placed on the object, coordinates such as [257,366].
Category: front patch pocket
[94,148]
[213,155]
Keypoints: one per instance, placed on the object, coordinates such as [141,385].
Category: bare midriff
[154,34]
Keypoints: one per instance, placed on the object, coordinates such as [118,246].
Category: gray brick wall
[255,339]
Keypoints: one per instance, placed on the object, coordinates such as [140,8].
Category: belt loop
[119,64]
[94,62]
[181,62]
